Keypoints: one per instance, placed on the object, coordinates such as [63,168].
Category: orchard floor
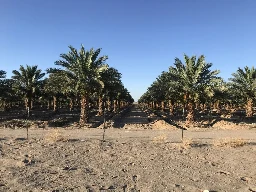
[129,160]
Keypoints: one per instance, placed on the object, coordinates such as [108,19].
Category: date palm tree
[110,78]
[243,85]
[193,80]
[53,88]
[27,80]
[2,88]
[116,95]
[2,74]
[124,98]
[82,69]
[162,90]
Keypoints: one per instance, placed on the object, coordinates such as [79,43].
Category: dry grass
[54,136]
[186,143]
[160,139]
[229,142]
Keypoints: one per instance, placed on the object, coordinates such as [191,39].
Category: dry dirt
[129,159]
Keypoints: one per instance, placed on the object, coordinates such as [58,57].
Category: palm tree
[82,69]
[144,101]
[243,85]
[54,88]
[123,97]
[162,90]
[2,87]
[27,80]
[8,95]
[2,74]
[116,94]
[221,95]
[109,78]
[192,79]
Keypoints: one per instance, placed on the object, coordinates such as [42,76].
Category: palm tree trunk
[184,106]
[55,103]
[48,104]
[218,106]
[26,103]
[248,108]
[162,106]
[190,115]
[4,105]
[197,105]
[171,107]
[115,106]
[71,104]
[29,99]
[118,104]
[205,107]
[100,110]
[109,104]
[84,110]
[201,107]
[227,107]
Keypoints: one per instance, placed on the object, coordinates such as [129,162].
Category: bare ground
[130,159]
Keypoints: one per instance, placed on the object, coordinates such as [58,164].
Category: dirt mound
[228,125]
[161,124]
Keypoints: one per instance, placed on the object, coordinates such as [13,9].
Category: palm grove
[81,79]
[191,87]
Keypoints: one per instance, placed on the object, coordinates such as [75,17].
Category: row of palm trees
[82,76]
[193,85]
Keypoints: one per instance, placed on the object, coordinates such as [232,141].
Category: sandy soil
[135,159]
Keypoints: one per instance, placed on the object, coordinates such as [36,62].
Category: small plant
[55,136]
[186,143]
[229,142]
[160,139]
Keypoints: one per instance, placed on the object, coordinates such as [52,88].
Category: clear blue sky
[141,37]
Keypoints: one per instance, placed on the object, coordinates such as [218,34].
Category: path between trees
[134,116]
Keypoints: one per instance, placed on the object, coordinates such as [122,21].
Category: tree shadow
[251,143]
[130,116]
[176,125]
[20,139]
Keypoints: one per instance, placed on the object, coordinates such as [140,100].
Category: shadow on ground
[132,116]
